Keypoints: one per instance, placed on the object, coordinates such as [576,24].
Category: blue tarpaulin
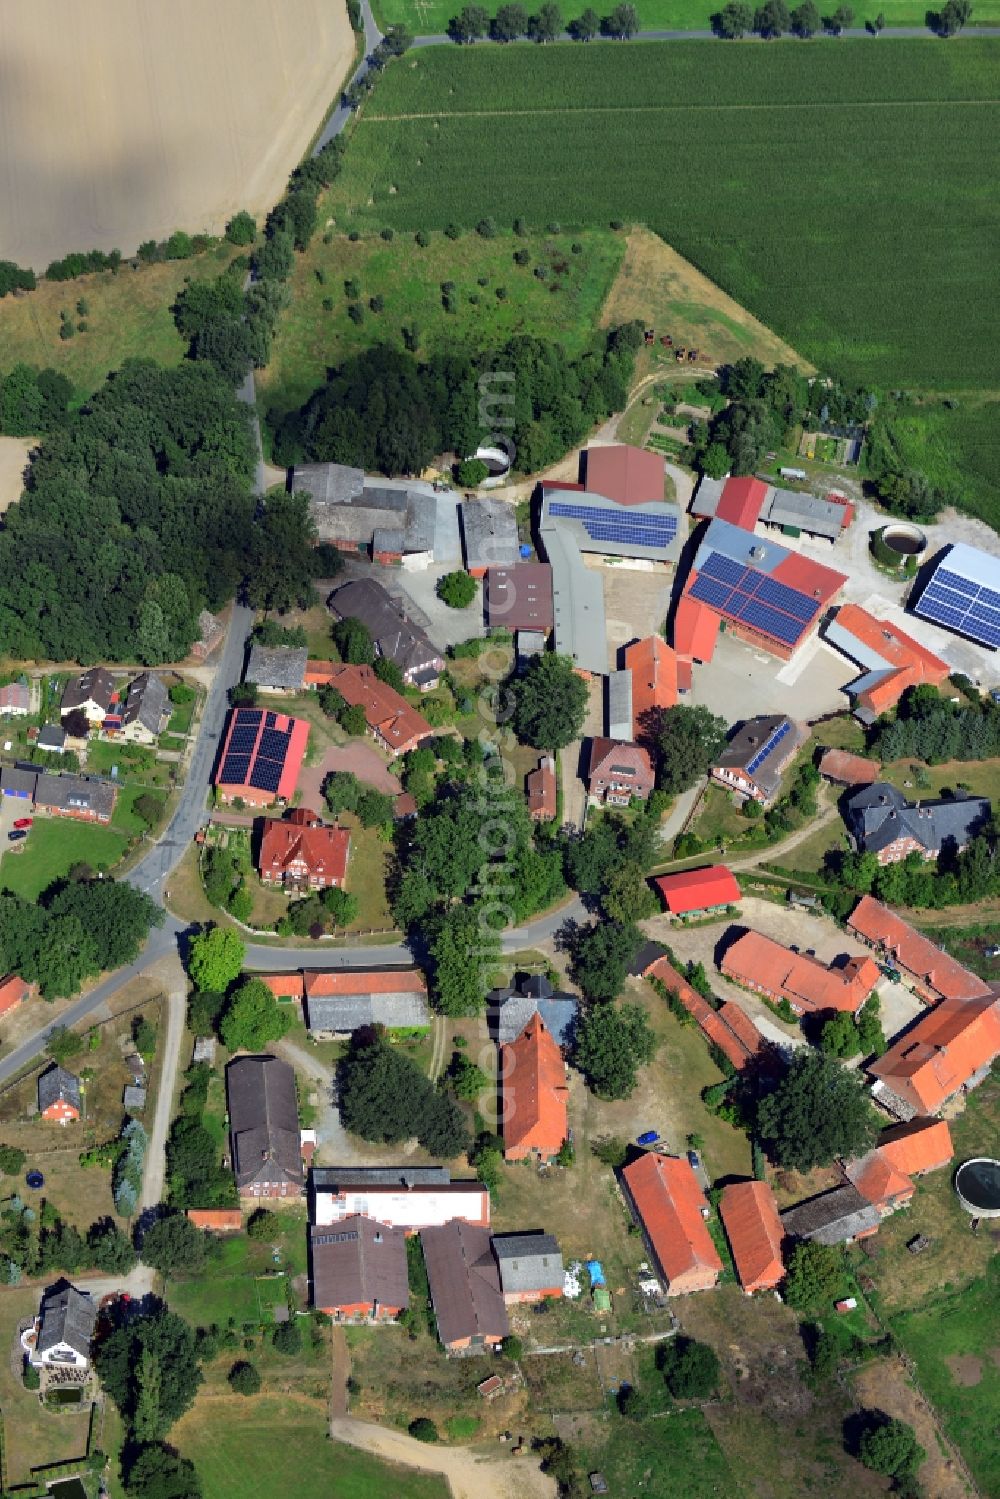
[596,1273]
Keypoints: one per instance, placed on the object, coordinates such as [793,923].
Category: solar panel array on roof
[961,604]
[248,762]
[770,743]
[613,525]
[752,597]
[234,769]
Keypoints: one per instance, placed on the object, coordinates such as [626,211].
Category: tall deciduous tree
[252,1018]
[215,959]
[171,1342]
[282,554]
[550,702]
[818,1112]
[688,741]
[172,1244]
[612,1042]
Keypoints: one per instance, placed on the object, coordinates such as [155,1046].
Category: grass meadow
[51,849]
[844,201]
[431,17]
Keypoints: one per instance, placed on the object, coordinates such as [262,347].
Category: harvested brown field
[120,123]
[667,293]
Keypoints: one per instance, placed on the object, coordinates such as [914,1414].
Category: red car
[24,822]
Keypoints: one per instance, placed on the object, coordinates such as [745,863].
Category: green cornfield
[844,193]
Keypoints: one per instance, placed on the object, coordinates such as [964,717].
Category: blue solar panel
[770,621]
[959,604]
[250,717]
[988,596]
[954,580]
[273,746]
[270,720]
[771,743]
[725,569]
[787,599]
[234,769]
[242,741]
[948,596]
[622,525]
[265,775]
[709,591]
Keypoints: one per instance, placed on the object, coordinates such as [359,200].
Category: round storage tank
[977,1183]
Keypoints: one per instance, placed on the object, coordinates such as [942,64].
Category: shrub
[241,229]
[512,1347]
[452,231]
[422,238]
[387,234]
[487,228]
[287,1337]
[691,1369]
[423,1429]
[260,1224]
[244,1378]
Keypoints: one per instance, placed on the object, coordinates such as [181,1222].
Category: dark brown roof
[359,1262]
[95,685]
[465,1282]
[263,1122]
[520,597]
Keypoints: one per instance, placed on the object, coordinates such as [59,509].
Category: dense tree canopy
[818,1112]
[252,1018]
[173,1244]
[158,1473]
[550,702]
[215,958]
[170,1343]
[691,1369]
[75,931]
[33,401]
[385,1096]
[612,1042]
[688,740]
[136,516]
[384,411]
[601,956]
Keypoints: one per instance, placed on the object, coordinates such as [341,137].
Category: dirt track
[469,1476]
[122,122]
[13,461]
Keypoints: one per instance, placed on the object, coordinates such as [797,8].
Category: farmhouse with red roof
[949,1050]
[533,1077]
[261,757]
[652,664]
[749,1215]
[392,722]
[893,660]
[302,852]
[670,1208]
[617,771]
[934,973]
[761,964]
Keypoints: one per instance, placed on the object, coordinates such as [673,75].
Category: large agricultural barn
[963,594]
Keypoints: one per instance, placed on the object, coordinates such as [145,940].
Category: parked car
[694,1160]
[16,836]
[23,822]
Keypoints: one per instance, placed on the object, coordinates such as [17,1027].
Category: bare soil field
[120,123]
[13,461]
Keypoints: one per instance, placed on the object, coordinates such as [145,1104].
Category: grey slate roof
[789,507]
[51,737]
[95,684]
[76,793]
[577,601]
[327,1177]
[512,1008]
[67,1316]
[832,1217]
[879,814]
[464,1282]
[749,738]
[55,1085]
[340,1013]
[147,702]
[278,666]
[134,1098]
[528,1262]
[396,636]
[707,497]
[620,704]
[359,1261]
[17,782]
[489,529]
[328,483]
[263,1122]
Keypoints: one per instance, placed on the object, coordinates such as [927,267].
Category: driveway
[358,758]
[154,1175]
[333,1143]
[571,759]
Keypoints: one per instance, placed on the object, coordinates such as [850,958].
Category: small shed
[134,1099]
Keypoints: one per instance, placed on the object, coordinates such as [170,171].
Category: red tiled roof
[698,889]
[283,985]
[12,991]
[609,756]
[921,1145]
[913,951]
[913,663]
[653,664]
[741,1025]
[938,1055]
[323,850]
[630,476]
[741,502]
[851,770]
[805,982]
[878,1180]
[222,1220]
[670,1203]
[737,1038]
[322,981]
[696,629]
[540,785]
[750,1216]
[386,711]
[533,1076]
[811,578]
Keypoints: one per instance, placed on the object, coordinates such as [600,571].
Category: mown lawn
[431,17]
[674,1457]
[128,317]
[51,849]
[312,337]
[232,1284]
[757,163]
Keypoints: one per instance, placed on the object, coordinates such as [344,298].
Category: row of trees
[40,1242]
[773,19]
[383,410]
[77,929]
[512,22]
[931,728]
